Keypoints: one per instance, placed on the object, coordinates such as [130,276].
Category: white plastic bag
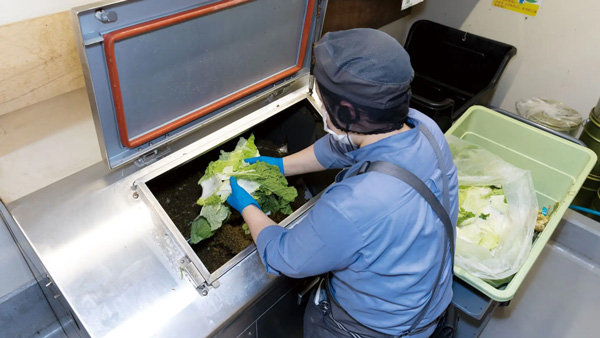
[550,113]
[506,233]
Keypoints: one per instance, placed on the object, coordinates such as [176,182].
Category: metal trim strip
[124,33]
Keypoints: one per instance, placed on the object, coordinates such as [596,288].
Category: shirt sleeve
[325,240]
[331,153]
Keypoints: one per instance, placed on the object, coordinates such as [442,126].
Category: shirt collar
[389,144]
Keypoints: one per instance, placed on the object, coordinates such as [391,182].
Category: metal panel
[579,234]
[17,312]
[169,75]
[560,296]
[60,308]
[19,275]
[112,257]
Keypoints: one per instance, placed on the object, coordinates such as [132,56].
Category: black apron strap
[442,164]
[416,183]
[421,188]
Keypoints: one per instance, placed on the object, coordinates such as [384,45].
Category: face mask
[342,138]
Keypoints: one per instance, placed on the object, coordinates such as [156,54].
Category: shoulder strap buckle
[363,168]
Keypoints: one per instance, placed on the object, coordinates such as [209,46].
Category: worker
[381,244]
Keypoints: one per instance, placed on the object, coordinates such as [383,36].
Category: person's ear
[346,113]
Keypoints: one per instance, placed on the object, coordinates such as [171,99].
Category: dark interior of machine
[178,190]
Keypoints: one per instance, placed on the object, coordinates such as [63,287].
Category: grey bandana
[367,66]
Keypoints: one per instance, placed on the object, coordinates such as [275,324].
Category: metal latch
[152,156]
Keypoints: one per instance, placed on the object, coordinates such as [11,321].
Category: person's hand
[239,198]
[278,161]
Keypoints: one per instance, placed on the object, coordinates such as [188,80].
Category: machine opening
[177,190]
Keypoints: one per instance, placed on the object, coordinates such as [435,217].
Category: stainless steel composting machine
[170,83]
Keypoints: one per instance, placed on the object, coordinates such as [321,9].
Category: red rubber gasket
[124,33]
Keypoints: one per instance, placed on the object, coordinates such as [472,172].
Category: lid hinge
[187,268]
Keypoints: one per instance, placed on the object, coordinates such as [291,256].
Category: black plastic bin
[453,69]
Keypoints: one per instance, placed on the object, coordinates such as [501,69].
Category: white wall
[13,11]
[558,51]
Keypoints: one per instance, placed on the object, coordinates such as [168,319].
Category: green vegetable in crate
[482,213]
[263,181]
[497,212]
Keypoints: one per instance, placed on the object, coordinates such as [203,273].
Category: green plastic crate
[558,168]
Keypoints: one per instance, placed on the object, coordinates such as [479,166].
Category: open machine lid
[155,69]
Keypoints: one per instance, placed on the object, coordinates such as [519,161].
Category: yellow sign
[409,3]
[527,7]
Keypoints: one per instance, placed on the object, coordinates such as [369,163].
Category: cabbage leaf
[483,212]
[263,181]
[200,230]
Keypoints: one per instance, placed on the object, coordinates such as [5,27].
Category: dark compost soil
[177,192]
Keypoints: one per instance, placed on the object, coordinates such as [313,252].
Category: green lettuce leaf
[200,230]
[263,181]
[269,203]
[232,161]
[213,199]
[490,204]
[215,214]
[270,179]
[246,228]
[464,215]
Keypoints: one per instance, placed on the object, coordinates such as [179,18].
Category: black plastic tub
[453,69]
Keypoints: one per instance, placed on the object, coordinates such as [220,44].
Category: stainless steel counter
[116,264]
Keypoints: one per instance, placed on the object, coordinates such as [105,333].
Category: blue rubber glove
[239,198]
[278,161]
